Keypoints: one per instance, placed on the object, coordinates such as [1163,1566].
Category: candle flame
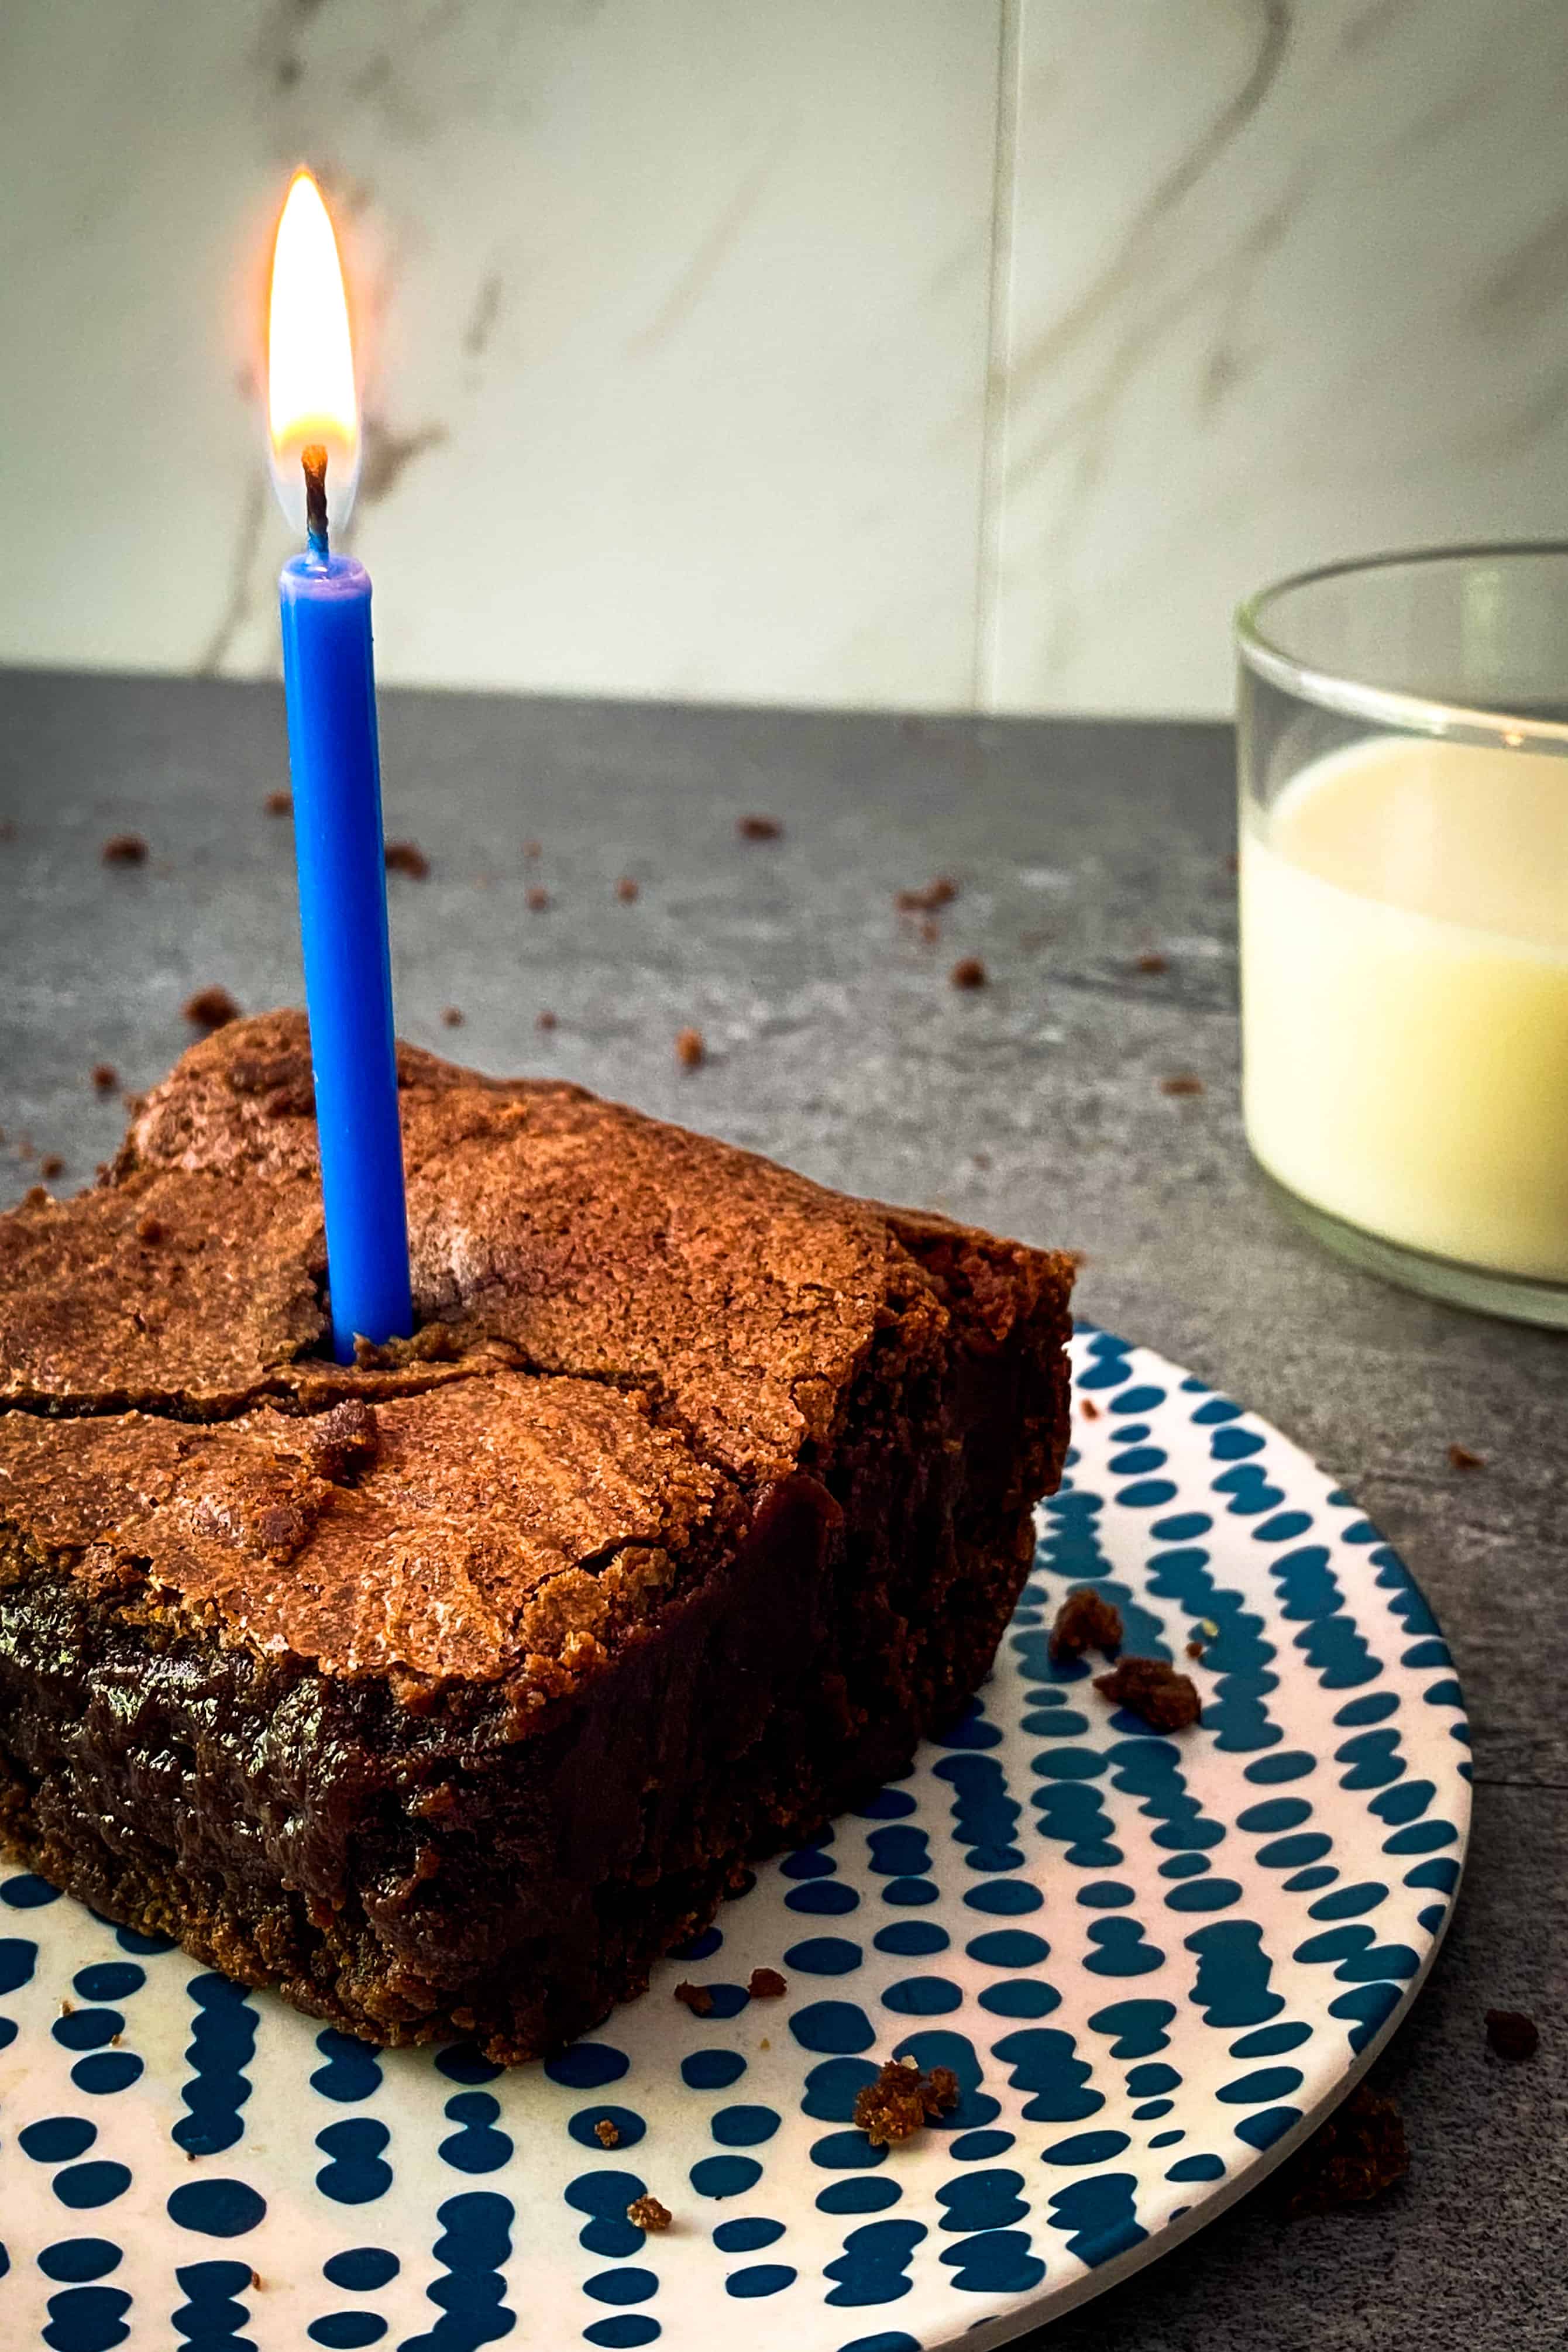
[311,393]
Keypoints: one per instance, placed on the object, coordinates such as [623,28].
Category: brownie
[444,1691]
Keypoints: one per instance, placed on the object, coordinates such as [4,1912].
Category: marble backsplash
[936,353]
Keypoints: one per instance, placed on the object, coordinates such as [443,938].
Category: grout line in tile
[998,343]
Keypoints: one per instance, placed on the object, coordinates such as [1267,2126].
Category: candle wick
[314,460]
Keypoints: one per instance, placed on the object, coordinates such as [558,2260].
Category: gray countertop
[1033,1104]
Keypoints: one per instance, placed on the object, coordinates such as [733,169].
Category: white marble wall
[923,353]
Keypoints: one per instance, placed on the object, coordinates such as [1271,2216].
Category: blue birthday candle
[329,681]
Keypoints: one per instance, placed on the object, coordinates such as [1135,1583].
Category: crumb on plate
[902,2100]
[1086,1620]
[1151,1688]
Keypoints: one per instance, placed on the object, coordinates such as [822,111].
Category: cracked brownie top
[626,1332]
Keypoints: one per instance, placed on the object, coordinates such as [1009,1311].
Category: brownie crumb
[343,1441]
[696,1998]
[545,1021]
[211,1008]
[646,2213]
[51,1164]
[150,1230]
[125,849]
[407,858]
[433,1343]
[766,1984]
[537,897]
[1461,1458]
[759,828]
[969,972]
[940,891]
[531,849]
[1185,1082]
[1232,863]
[626,891]
[902,2099]
[1089,1409]
[1153,962]
[35,1197]
[105,1077]
[930,929]
[256,2282]
[452,1017]
[1166,1700]
[278,804]
[1086,1620]
[1359,2153]
[690,1051]
[607,2133]
[1194,1649]
[1512,2034]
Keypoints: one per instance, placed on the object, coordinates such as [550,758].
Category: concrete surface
[1034,1104]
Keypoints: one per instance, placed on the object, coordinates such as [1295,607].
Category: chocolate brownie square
[444,1691]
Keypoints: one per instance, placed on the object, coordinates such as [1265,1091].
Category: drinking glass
[1403,749]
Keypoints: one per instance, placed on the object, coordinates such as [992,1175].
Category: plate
[1152,1963]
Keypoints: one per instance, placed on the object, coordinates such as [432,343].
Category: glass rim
[1387,705]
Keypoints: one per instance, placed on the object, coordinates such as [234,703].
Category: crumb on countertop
[452,1017]
[51,1164]
[407,858]
[690,1051]
[1151,961]
[627,890]
[766,1984]
[1184,1081]
[105,1077]
[1359,2153]
[759,828]
[646,2213]
[545,1020]
[211,1008]
[278,804]
[1149,1687]
[902,2100]
[531,849]
[536,898]
[696,1998]
[1086,1620]
[607,2132]
[1511,2034]
[1460,1457]
[125,849]
[940,891]
[969,972]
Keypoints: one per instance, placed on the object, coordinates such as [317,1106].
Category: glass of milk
[1404,765]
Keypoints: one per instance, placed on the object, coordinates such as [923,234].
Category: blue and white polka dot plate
[1152,1963]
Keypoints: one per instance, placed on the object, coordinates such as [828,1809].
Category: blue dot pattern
[1150,1962]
